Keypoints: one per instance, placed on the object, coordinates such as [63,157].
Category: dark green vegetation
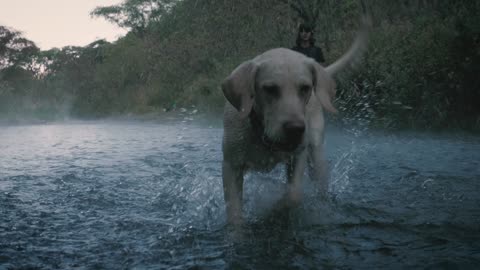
[420,70]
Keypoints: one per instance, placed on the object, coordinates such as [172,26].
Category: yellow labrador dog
[273,114]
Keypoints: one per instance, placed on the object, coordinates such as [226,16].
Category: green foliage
[15,50]
[134,14]
[420,70]
[17,78]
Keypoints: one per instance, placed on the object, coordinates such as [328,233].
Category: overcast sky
[57,23]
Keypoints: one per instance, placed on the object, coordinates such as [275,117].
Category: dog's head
[276,87]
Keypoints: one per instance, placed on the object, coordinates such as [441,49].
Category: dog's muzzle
[294,131]
[293,134]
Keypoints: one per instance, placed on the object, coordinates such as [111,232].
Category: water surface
[148,195]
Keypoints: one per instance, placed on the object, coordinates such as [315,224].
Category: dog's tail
[356,50]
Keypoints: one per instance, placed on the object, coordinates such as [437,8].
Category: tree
[135,15]
[15,50]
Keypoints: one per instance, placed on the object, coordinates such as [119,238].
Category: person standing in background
[305,44]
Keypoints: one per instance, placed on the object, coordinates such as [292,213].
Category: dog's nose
[294,130]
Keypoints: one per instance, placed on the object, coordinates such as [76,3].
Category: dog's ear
[324,87]
[239,87]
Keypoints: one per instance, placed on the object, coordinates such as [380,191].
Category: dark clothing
[312,52]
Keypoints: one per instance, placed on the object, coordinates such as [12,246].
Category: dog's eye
[271,89]
[305,89]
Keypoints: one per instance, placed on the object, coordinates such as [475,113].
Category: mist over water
[148,195]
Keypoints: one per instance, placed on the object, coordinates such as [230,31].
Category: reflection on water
[148,195]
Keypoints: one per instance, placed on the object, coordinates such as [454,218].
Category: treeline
[420,70]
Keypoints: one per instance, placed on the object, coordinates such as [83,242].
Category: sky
[58,23]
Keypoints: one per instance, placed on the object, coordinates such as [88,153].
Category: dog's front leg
[233,192]
[295,168]
[318,170]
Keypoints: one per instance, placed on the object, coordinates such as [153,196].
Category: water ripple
[110,195]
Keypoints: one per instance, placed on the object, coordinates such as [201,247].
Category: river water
[148,195]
